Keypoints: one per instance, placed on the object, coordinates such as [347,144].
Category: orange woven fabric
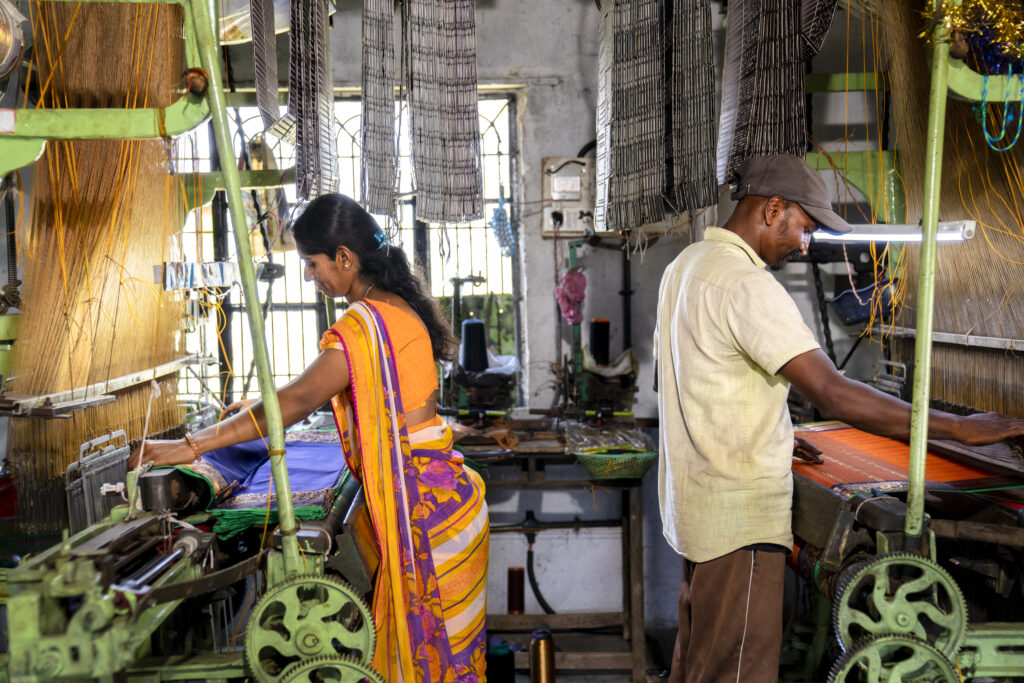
[852,456]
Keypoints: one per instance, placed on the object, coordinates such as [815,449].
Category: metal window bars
[291,323]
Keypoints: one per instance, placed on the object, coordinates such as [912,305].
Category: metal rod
[627,300]
[926,286]
[203,12]
[969,340]
[574,525]
[20,404]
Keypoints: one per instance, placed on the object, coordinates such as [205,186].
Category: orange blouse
[414,359]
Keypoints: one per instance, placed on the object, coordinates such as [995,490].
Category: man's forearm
[867,408]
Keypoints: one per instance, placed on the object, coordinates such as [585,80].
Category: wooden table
[533,453]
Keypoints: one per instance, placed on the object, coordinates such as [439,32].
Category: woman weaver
[377,367]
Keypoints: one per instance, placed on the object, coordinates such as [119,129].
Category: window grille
[292,324]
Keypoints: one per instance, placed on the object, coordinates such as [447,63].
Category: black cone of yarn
[473,352]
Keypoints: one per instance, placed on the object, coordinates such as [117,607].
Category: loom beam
[24,132]
[23,142]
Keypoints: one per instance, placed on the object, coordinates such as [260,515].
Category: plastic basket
[616,462]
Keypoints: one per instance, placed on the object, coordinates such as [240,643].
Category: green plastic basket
[616,462]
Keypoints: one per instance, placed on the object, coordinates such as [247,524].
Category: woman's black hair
[334,220]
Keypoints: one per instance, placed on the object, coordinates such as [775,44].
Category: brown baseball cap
[793,179]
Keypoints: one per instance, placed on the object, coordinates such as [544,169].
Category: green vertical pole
[203,13]
[926,285]
[577,336]
[332,311]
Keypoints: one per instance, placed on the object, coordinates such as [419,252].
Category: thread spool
[599,328]
[542,657]
[473,351]
[501,664]
[516,591]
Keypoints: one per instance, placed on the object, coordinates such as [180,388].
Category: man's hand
[985,428]
[805,450]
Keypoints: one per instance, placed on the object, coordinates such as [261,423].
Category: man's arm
[873,411]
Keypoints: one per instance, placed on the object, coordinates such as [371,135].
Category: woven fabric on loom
[264,60]
[311,100]
[852,456]
[692,90]
[762,83]
[377,134]
[443,103]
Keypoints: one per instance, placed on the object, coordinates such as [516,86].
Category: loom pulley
[893,658]
[903,594]
[330,668]
[304,618]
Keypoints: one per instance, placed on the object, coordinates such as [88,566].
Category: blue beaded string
[1008,116]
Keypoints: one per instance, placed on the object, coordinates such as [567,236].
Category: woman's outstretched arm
[325,377]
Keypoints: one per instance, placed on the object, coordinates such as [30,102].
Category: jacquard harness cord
[978,282]
[103,213]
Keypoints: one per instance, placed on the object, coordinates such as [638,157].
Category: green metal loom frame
[33,127]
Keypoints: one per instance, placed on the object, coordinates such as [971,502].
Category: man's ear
[773,208]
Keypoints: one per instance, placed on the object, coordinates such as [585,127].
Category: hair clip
[382,238]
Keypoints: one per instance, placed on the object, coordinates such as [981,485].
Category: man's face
[788,236]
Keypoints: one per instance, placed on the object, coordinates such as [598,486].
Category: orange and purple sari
[428,512]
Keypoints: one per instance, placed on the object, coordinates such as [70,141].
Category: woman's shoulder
[400,321]
[399,314]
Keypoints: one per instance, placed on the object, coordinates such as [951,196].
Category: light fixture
[948,231]
[12,40]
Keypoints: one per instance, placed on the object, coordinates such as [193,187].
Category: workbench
[536,450]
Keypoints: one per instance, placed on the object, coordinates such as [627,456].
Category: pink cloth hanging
[570,296]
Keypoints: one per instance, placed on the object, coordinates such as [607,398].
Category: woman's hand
[237,406]
[176,452]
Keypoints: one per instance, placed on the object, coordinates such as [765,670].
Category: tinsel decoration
[989,36]
[993,30]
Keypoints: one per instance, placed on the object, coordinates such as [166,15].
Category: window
[295,318]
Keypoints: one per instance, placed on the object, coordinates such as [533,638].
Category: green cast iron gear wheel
[893,659]
[330,669]
[900,593]
[305,617]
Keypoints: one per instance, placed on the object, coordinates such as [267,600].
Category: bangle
[192,444]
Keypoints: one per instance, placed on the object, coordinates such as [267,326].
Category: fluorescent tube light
[948,231]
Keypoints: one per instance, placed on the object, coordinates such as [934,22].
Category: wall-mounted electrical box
[567,189]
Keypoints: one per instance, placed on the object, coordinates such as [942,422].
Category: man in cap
[729,342]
